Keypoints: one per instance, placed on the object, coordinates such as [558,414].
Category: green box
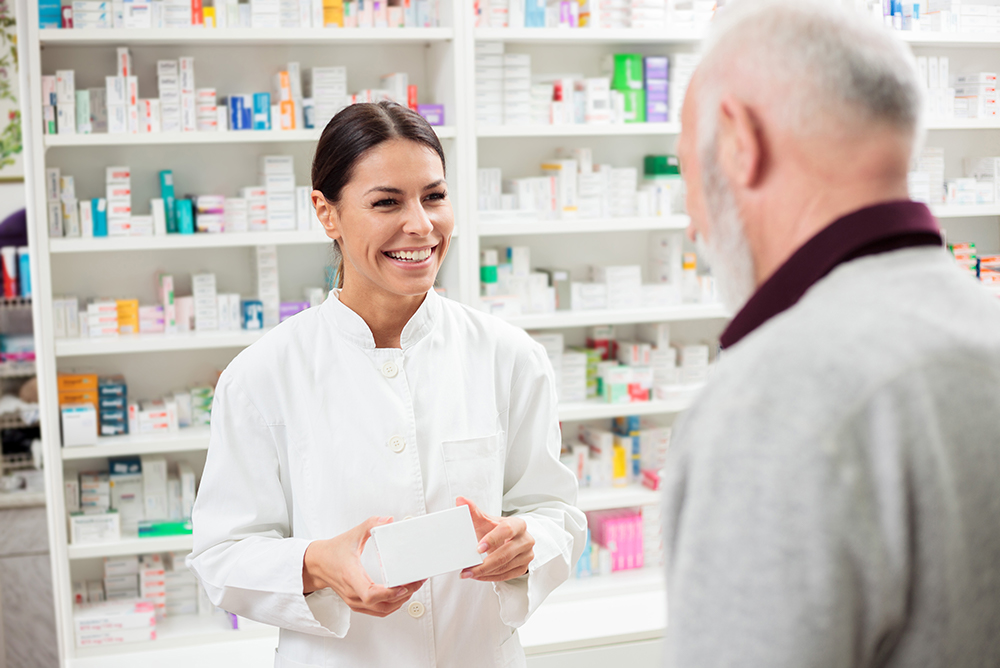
[635,106]
[626,73]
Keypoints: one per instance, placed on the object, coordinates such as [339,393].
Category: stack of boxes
[151,320]
[693,362]
[201,406]
[976,95]
[128,315]
[181,587]
[189,105]
[626,71]
[265,13]
[95,493]
[623,285]
[122,97]
[118,182]
[177,13]
[265,270]
[114,623]
[256,205]
[169,87]
[127,495]
[121,578]
[647,14]
[623,186]
[236,214]
[573,379]
[113,405]
[65,109]
[329,93]
[657,87]
[517,99]
[102,318]
[653,547]
[206,304]
[210,214]
[153,584]
[681,71]
[939,95]
[490,83]
[564,171]
[206,110]
[277,173]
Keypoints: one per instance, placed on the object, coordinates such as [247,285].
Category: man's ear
[327,213]
[741,143]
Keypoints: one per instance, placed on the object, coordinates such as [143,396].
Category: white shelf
[186,440]
[562,319]
[229,137]
[131,546]
[243,36]
[178,632]
[588,36]
[965,124]
[608,498]
[579,130]
[627,606]
[948,39]
[144,343]
[496,228]
[595,409]
[175,241]
[965,211]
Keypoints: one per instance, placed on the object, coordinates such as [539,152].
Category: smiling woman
[387,401]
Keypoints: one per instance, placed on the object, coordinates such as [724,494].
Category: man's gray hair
[829,65]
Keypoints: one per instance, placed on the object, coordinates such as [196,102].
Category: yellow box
[76,382]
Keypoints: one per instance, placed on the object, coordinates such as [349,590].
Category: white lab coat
[314,430]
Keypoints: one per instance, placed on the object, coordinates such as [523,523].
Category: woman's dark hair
[353,132]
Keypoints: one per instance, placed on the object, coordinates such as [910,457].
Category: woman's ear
[327,213]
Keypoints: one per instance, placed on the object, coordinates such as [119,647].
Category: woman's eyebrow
[398,191]
[385,189]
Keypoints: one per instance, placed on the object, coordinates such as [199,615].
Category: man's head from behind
[797,114]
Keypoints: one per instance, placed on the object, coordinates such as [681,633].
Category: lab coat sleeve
[244,553]
[539,489]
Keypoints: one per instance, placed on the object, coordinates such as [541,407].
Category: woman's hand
[336,563]
[508,546]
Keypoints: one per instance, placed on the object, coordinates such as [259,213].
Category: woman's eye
[385,202]
[437,196]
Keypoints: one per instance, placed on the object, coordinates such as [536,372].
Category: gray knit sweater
[833,498]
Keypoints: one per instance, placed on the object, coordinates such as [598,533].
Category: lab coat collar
[353,327]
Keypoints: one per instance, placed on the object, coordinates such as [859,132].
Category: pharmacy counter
[584,624]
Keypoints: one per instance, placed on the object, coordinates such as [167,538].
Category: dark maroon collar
[874,229]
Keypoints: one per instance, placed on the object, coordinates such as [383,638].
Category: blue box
[24,273]
[261,111]
[253,314]
[124,465]
[99,209]
[169,203]
[236,112]
[185,216]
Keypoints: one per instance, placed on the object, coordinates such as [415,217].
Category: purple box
[288,309]
[434,113]
[656,87]
[657,67]
[657,110]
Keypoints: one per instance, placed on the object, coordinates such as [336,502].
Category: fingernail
[466,575]
[482,547]
[401,592]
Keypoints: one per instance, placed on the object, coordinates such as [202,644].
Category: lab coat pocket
[474,468]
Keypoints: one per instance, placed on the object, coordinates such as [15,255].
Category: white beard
[728,251]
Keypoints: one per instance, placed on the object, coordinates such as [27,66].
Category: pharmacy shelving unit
[595,622]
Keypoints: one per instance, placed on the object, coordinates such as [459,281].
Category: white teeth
[411,256]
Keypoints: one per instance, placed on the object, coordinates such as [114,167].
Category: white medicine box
[421,547]
[79,425]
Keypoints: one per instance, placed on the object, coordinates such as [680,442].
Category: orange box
[287,113]
[79,397]
[76,382]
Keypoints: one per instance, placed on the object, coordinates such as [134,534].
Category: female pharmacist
[385,402]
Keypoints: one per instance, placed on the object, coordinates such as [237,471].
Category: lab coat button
[397,444]
[416,609]
[389,369]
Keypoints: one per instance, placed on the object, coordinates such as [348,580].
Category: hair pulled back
[351,134]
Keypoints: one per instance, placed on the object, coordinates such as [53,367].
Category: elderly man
[833,498]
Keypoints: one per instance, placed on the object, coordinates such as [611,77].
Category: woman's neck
[385,314]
